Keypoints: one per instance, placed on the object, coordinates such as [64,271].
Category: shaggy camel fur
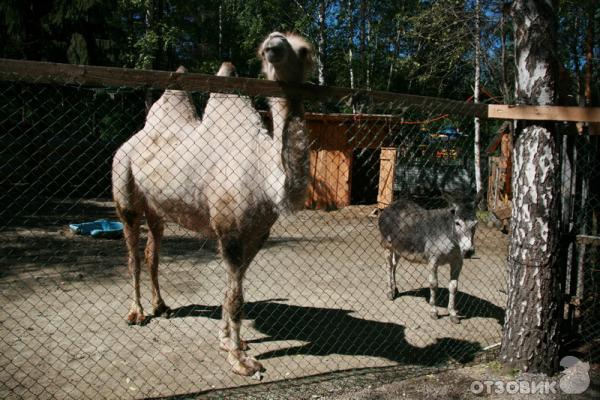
[226,176]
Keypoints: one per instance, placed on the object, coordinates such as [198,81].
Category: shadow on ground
[467,305]
[335,331]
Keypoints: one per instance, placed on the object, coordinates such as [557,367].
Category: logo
[576,376]
[575,379]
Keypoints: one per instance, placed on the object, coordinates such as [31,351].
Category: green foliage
[416,46]
[77,52]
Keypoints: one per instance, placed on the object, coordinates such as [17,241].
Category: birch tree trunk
[396,45]
[321,43]
[363,41]
[477,127]
[351,47]
[530,339]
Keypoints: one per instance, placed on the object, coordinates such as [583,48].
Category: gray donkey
[434,237]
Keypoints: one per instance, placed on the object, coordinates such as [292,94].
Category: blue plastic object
[101,228]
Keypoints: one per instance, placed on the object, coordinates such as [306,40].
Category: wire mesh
[315,296]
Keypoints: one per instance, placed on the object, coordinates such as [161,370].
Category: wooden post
[387,176]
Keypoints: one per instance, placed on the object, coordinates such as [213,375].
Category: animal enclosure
[316,294]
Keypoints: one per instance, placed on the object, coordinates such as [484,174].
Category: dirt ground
[315,304]
[459,383]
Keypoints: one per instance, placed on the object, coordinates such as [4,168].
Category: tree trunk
[321,43]
[363,40]
[575,56]
[477,127]
[373,50]
[589,57]
[351,47]
[149,24]
[506,94]
[531,329]
[396,45]
[220,51]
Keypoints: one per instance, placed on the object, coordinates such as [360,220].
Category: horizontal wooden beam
[43,72]
[544,113]
[589,240]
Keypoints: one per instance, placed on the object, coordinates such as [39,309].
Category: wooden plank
[338,177]
[321,189]
[43,72]
[367,134]
[344,178]
[544,113]
[311,197]
[331,177]
[387,175]
[588,240]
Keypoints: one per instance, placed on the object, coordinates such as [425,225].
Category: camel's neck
[289,129]
[281,110]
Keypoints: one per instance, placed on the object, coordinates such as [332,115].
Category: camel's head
[286,57]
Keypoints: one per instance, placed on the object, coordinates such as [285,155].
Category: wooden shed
[334,139]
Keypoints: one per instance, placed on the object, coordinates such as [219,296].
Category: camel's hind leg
[131,231]
[155,233]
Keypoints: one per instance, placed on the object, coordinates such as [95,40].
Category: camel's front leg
[155,234]
[230,340]
[455,268]
[433,285]
[131,231]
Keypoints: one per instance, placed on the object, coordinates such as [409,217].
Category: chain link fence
[316,296]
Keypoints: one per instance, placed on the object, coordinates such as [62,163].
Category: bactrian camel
[226,176]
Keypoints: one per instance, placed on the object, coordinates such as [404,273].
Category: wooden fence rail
[43,72]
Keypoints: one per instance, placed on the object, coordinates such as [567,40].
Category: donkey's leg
[236,261]
[131,231]
[155,233]
[433,285]
[455,268]
[392,264]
